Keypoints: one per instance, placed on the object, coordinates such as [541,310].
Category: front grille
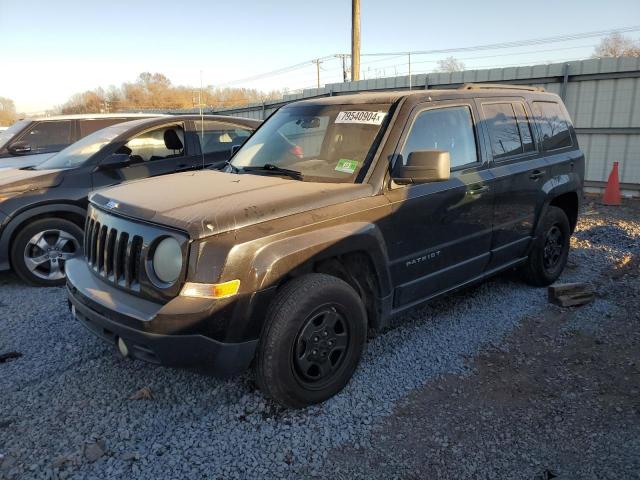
[112,254]
[117,250]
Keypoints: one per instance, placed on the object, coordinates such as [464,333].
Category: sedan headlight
[167,260]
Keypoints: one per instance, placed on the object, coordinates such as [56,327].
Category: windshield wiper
[271,168]
[228,163]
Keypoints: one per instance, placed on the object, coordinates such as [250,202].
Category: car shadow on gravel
[8,278]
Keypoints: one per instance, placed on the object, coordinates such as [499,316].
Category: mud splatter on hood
[210,202]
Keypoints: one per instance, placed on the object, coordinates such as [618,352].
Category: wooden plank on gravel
[571,294]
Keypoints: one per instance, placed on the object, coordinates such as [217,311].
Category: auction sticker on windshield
[368,118]
[346,166]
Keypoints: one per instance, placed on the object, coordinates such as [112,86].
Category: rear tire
[40,251]
[312,341]
[550,250]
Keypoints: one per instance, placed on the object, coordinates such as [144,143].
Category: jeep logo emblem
[111,204]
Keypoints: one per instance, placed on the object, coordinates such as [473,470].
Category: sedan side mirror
[19,148]
[423,166]
[115,161]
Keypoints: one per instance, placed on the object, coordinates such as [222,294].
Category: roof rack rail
[500,86]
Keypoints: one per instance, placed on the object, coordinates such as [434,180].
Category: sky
[51,50]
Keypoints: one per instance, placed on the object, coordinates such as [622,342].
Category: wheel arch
[356,253]
[570,204]
[71,212]
[564,192]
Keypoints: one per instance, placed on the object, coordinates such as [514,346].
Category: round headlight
[167,260]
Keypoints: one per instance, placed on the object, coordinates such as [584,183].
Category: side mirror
[114,161]
[423,166]
[19,148]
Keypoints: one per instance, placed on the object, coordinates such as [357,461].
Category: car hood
[210,202]
[13,180]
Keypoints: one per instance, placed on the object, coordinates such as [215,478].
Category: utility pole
[355,40]
[317,62]
[343,57]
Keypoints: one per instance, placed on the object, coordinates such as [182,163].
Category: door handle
[536,174]
[478,190]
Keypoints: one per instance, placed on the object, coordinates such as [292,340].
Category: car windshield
[10,132]
[78,153]
[324,143]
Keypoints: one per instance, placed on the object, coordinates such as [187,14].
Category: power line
[493,46]
[518,43]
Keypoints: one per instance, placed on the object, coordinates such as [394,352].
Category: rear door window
[91,125]
[447,128]
[48,136]
[503,130]
[554,129]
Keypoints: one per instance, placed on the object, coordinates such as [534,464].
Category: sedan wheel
[41,250]
[46,253]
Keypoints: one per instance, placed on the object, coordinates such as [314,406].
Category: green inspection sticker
[346,166]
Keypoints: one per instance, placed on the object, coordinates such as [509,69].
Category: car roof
[144,123]
[92,116]
[416,96]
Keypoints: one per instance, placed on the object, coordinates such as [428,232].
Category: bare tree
[155,91]
[617,45]
[450,64]
[7,111]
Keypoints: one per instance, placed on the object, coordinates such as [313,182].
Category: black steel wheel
[553,247]
[321,346]
[550,250]
[312,340]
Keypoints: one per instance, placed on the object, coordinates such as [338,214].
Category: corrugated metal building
[602,96]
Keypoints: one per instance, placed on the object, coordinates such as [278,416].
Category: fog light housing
[211,290]
[122,347]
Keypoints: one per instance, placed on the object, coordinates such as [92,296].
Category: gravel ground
[66,410]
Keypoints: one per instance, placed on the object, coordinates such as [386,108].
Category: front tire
[550,251]
[41,249]
[312,340]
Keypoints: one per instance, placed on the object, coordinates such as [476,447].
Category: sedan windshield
[10,132]
[78,153]
[324,143]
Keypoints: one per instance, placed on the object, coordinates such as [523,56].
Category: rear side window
[503,130]
[554,129]
[449,128]
[93,125]
[46,137]
[524,127]
[217,137]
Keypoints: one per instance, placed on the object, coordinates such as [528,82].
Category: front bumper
[112,314]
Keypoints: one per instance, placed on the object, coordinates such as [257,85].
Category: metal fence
[602,96]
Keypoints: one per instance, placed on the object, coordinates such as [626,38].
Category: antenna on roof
[201,121]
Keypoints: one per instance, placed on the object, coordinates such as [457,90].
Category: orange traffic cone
[612,191]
